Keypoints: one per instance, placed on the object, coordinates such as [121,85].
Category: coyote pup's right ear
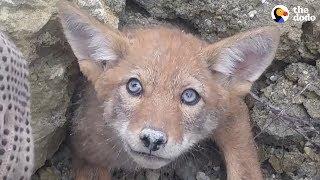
[95,45]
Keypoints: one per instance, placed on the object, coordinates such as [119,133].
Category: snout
[147,148]
[152,139]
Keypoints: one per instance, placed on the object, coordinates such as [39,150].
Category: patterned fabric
[16,142]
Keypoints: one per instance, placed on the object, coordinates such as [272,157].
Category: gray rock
[51,73]
[48,174]
[285,95]
[274,130]
[135,17]
[283,161]
[313,107]
[202,176]
[218,19]
[100,10]
[117,6]
[273,78]
[308,170]
[305,76]
[292,161]
[25,17]
[302,73]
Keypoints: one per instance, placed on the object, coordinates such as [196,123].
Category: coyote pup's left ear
[95,45]
[246,55]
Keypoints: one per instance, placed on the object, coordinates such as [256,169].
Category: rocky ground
[285,104]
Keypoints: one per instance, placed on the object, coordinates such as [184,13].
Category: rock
[100,10]
[273,78]
[275,163]
[202,176]
[136,17]
[292,161]
[288,162]
[296,97]
[305,75]
[283,95]
[51,75]
[274,129]
[311,33]
[313,107]
[117,6]
[252,13]
[312,154]
[264,152]
[273,177]
[48,174]
[302,73]
[24,17]
[308,170]
[61,162]
[217,19]
[294,164]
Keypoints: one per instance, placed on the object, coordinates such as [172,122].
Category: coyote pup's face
[164,90]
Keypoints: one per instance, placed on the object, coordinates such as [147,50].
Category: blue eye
[190,97]
[134,87]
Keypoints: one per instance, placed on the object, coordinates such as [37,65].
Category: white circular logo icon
[280,14]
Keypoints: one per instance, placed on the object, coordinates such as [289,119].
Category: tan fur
[236,143]
[166,61]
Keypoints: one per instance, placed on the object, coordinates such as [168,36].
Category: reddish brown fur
[166,61]
[228,136]
[160,70]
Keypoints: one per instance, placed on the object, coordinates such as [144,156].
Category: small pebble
[252,13]
[216,168]
[202,176]
[273,78]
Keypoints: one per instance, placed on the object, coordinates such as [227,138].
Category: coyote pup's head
[165,90]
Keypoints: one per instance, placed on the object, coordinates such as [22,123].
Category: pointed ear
[244,56]
[89,39]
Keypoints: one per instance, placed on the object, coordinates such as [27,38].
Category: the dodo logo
[280,14]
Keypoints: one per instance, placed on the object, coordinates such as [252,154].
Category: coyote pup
[156,92]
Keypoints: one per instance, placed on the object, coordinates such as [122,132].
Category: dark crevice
[178,22]
[310,35]
[137,8]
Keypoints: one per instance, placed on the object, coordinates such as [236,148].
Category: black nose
[153,139]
